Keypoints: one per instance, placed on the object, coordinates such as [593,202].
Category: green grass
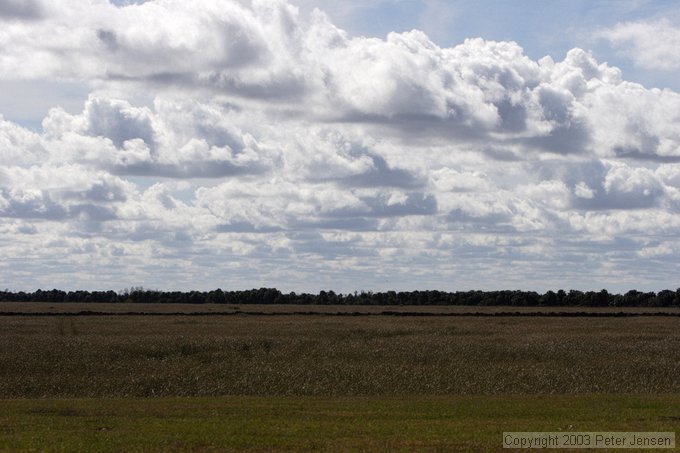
[447,423]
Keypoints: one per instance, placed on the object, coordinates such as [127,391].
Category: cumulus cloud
[266,51]
[171,140]
[19,146]
[60,193]
[650,44]
[247,138]
[21,9]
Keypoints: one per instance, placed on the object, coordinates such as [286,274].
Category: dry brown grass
[68,307]
[94,356]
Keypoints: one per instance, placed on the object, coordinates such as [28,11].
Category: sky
[357,145]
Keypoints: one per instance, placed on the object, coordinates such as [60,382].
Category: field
[306,382]
[131,308]
[404,424]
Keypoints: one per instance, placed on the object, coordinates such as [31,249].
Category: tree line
[574,298]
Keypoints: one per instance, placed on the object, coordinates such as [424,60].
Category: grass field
[446,424]
[263,383]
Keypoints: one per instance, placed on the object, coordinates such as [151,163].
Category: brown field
[123,356]
[326,383]
[68,307]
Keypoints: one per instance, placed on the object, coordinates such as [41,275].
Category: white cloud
[65,193]
[22,9]
[650,44]
[582,190]
[19,146]
[244,136]
[266,52]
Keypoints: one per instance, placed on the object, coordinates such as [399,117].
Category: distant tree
[549,299]
[665,298]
